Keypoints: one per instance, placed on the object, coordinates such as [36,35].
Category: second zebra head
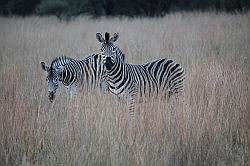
[111,54]
[53,79]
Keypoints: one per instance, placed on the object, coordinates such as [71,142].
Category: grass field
[210,126]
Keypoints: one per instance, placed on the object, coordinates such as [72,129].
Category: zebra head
[52,79]
[111,54]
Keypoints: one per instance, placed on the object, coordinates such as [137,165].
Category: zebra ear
[44,67]
[116,36]
[99,37]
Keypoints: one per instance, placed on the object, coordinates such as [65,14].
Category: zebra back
[168,74]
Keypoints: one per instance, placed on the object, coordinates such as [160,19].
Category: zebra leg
[104,86]
[72,90]
[133,99]
[133,96]
[170,93]
[131,106]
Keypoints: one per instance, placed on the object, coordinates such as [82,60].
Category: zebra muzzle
[109,63]
[51,96]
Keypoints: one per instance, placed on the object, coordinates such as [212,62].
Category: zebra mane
[60,62]
[91,56]
[107,37]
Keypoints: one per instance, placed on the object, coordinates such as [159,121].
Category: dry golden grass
[210,126]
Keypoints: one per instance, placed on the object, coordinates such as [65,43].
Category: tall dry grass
[209,126]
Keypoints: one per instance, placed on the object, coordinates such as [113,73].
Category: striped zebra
[160,77]
[125,80]
[168,74]
[72,73]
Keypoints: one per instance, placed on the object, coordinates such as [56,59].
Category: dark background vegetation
[69,8]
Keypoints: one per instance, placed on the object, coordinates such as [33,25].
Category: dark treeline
[68,8]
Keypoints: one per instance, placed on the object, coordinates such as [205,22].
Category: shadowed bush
[58,8]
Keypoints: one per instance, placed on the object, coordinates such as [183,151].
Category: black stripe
[163,71]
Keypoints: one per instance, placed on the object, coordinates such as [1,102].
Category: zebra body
[128,79]
[168,74]
[72,73]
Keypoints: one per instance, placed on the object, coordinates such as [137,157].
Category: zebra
[72,73]
[129,81]
[168,74]
[161,77]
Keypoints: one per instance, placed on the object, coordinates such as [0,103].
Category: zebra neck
[67,77]
[116,69]
[60,62]
[117,75]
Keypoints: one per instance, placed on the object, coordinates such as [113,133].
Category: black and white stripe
[168,74]
[72,73]
[123,79]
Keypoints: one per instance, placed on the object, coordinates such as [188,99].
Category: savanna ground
[210,126]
